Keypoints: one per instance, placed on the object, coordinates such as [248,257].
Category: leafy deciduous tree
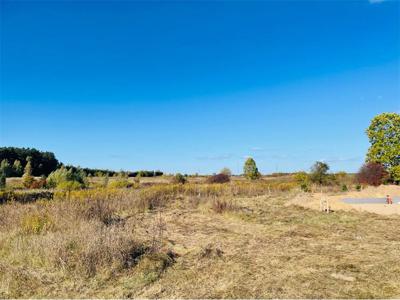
[319,172]
[372,173]
[384,136]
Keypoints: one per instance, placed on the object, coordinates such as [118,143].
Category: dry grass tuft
[220,206]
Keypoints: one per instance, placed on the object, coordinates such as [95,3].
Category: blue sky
[190,86]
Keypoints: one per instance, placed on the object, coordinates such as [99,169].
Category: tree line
[13,161]
[382,163]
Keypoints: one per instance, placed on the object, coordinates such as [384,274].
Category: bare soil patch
[336,200]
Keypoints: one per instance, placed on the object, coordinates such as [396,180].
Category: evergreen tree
[5,168]
[250,169]
[2,180]
[17,168]
[27,178]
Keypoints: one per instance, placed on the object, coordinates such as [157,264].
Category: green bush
[64,178]
[305,187]
[120,183]
[69,186]
[179,178]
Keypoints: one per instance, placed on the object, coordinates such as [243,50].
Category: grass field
[194,241]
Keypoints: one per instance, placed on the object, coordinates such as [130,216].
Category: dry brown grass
[170,241]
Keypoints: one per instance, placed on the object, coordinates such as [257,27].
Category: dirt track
[336,200]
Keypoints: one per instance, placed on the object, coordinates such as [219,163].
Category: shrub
[303,179]
[344,188]
[179,179]
[319,173]
[38,184]
[226,171]
[250,169]
[372,174]
[219,178]
[64,178]
[98,208]
[120,183]
[69,186]
[97,248]
[305,187]
[56,177]
[220,206]
[341,176]
[152,265]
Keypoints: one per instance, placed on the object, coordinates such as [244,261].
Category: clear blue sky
[190,86]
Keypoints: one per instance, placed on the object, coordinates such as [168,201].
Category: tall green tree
[5,168]
[27,178]
[43,163]
[17,168]
[384,136]
[2,180]
[250,169]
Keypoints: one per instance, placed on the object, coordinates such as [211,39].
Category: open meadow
[200,149]
[195,240]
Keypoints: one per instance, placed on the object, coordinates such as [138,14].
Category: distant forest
[44,162]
